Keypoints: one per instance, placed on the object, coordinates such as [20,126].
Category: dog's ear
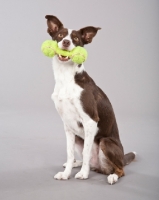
[54,24]
[88,33]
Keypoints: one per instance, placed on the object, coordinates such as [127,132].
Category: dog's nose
[66,43]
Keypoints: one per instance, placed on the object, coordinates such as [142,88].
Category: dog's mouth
[63,58]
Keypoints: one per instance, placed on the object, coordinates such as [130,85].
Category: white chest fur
[66,95]
[65,86]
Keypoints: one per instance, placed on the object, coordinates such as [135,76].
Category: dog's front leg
[70,137]
[90,129]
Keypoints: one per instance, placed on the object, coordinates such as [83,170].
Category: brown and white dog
[87,114]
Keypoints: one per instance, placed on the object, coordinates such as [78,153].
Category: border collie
[87,114]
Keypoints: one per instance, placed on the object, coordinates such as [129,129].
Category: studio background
[123,61]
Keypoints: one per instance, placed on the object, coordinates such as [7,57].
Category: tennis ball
[79,55]
[50,48]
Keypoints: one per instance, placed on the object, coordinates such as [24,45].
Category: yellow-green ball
[79,55]
[49,48]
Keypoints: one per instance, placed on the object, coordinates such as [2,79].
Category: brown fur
[97,105]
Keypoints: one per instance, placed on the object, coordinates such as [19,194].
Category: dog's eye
[60,35]
[76,39]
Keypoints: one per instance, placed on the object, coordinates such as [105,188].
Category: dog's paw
[112,178]
[77,163]
[81,175]
[61,176]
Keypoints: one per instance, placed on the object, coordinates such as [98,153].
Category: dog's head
[67,38]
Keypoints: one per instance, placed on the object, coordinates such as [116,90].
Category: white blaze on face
[68,37]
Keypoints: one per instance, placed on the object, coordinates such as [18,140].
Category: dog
[87,114]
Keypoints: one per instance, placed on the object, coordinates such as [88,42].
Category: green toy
[77,55]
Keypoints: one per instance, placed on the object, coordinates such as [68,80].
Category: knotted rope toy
[77,55]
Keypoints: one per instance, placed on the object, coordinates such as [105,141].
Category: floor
[32,151]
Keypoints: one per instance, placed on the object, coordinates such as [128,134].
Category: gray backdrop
[123,60]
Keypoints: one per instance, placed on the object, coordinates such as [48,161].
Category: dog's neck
[65,72]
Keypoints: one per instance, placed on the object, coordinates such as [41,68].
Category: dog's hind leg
[79,143]
[113,161]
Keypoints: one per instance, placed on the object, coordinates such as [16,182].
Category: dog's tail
[129,157]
